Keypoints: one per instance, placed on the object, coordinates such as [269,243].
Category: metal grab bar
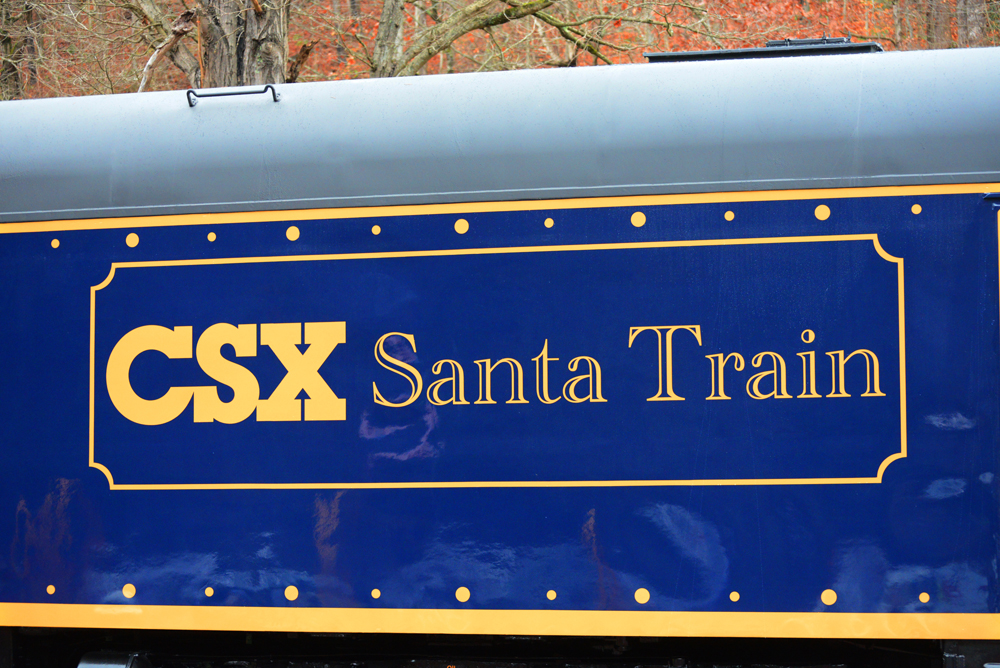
[193,95]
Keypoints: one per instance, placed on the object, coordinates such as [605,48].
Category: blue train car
[524,361]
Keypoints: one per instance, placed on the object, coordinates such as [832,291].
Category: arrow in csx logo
[302,373]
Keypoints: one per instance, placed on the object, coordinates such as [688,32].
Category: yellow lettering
[413,376]
[246,391]
[808,376]
[303,372]
[593,376]
[665,352]
[542,375]
[777,374]
[457,380]
[738,364]
[516,381]
[838,361]
[175,344]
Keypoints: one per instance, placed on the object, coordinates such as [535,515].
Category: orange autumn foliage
[101,46]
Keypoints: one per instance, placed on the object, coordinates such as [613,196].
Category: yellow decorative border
[510,483]
[911,625]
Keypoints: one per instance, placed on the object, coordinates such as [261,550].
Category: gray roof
[759,124]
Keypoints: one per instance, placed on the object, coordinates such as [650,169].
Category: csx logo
[282,338]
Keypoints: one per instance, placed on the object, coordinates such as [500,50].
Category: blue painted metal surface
[821,514]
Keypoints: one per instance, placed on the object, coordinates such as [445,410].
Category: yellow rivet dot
[376,593]
[638,219]
[292,233]
[551,594]
[376,230]
[462,594]
[916,209]
[642,595]
[132,240]
[128,591]
[461,226]
[291,592]
[822,212]
[734,596]
[211,236]
[925,597]
[549,222]
[829,597]
[55,243]
[730,215]
[51,589]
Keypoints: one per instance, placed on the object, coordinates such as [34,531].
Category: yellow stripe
[510,622]
[461,484]
[487,207]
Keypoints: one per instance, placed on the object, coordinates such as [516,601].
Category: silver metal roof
[780,123]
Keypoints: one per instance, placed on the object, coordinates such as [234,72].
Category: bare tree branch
[296,63]
[160,30]
[441,36]
[578,39]
[184,24]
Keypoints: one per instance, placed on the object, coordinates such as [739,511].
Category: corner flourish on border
[107,474]
[110,277]
[882,252]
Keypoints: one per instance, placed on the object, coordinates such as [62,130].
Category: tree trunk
[242,47]
[938,24]
[971,19]
[265,48]
[897,22]
[385,54]
[11,51]
[31,53]
[222,27]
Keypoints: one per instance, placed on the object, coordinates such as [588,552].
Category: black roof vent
[779,48]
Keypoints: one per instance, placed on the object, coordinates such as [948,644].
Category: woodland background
[78,47]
